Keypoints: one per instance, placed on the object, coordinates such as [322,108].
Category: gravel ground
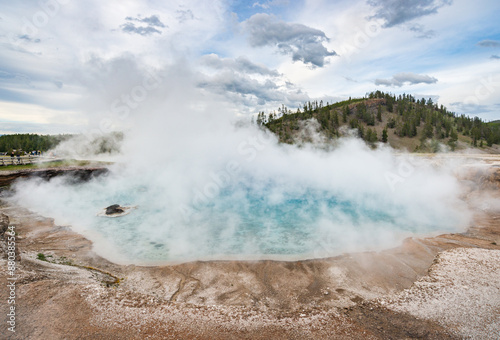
[461,292]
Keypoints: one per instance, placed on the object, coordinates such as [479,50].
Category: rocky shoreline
[389,294]
[78,173]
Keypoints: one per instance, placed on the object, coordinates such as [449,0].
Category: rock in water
[114,209]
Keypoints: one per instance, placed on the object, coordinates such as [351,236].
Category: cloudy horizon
[66,65]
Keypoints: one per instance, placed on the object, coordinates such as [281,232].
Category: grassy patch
[65,261]
[41,257]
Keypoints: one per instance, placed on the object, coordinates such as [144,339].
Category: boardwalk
[23,160]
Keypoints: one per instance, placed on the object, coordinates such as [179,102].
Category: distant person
[12,157]
[19,158]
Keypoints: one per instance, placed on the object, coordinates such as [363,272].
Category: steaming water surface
[243,221]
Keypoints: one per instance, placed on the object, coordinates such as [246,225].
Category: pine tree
[453,135]
[335,119]
[390,106]
[428,129]
[379,113]
[361,131]
[345,112]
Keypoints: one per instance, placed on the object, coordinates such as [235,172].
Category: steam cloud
[209,186]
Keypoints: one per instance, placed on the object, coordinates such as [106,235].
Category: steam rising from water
[206,187]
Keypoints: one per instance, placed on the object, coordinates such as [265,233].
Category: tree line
[30,142]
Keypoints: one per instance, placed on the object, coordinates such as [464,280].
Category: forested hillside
[402,121]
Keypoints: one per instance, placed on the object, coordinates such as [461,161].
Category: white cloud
[29,118]
[406,78]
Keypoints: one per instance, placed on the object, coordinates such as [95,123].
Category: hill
[403,121]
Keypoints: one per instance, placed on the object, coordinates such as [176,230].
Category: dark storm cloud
[397,12]
[303,43]
[401,79]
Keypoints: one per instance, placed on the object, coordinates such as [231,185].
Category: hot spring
[207,184]
[280,202]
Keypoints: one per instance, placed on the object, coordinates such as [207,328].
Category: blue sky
[279,8]
[66,64]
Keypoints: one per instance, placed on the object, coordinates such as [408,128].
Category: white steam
[207,187]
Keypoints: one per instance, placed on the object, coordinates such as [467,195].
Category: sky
[66,64]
